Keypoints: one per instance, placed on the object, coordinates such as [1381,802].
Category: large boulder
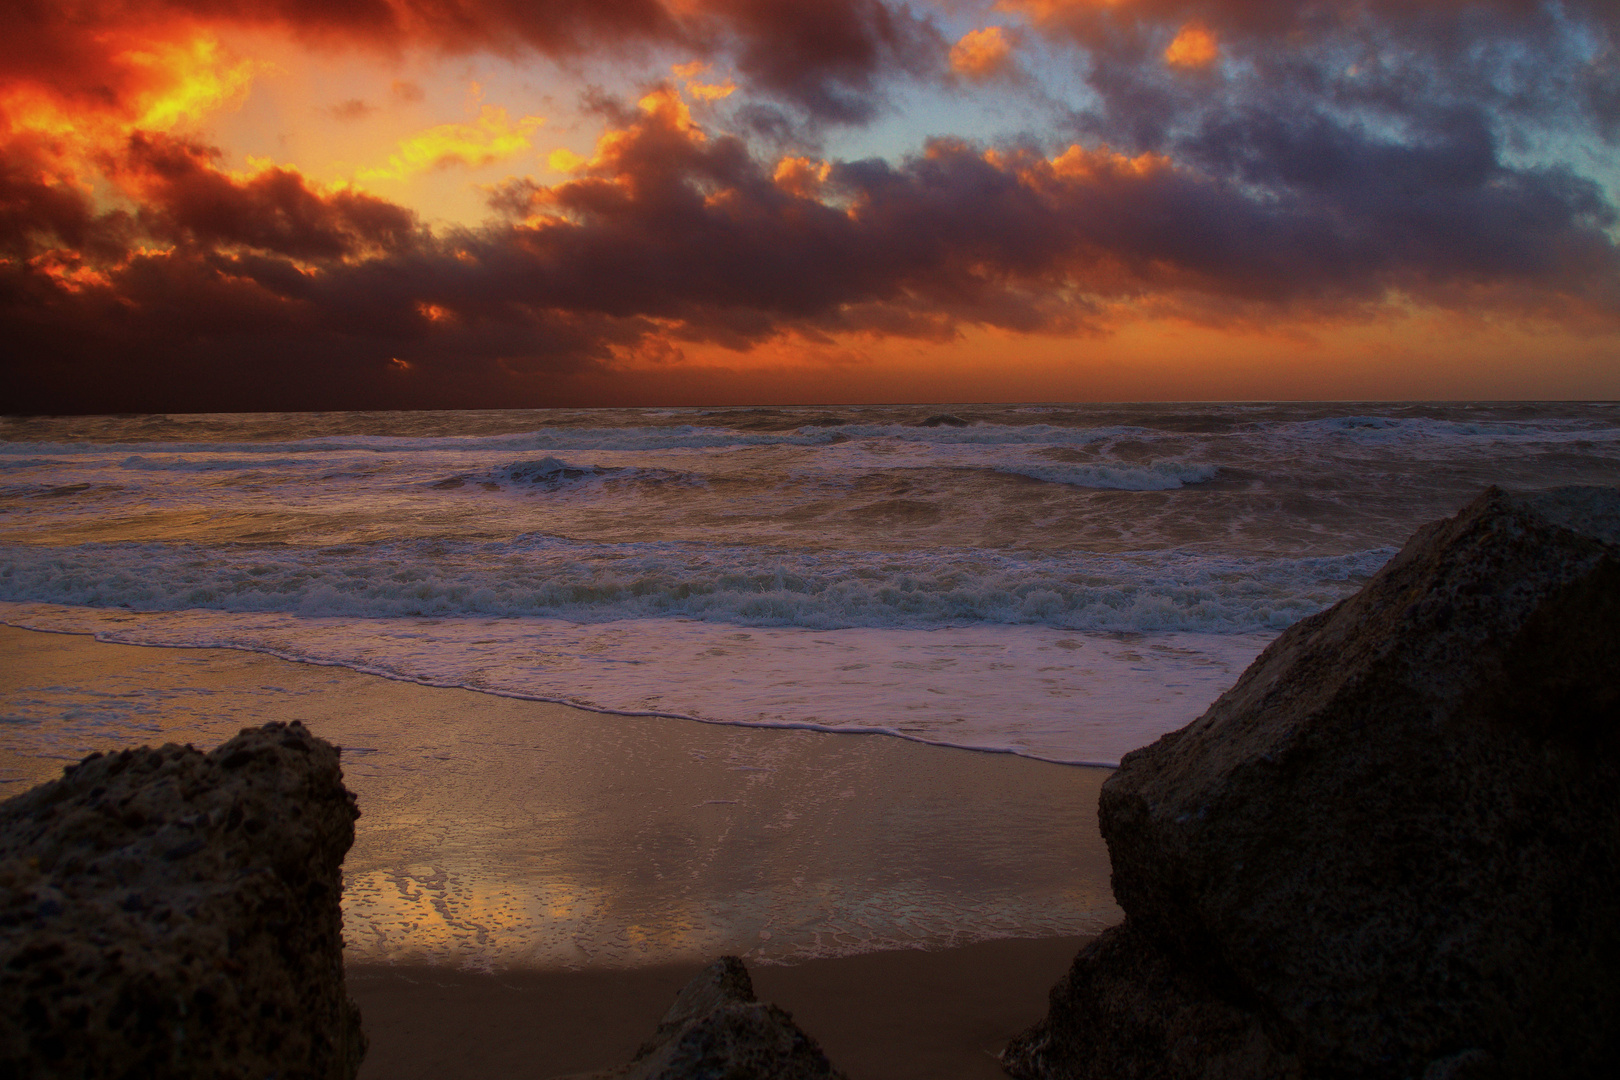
[172,913]
[717,1030]
[1393,848]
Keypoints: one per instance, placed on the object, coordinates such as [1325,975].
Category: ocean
[1059,582]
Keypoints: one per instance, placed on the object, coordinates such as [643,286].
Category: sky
[229,205]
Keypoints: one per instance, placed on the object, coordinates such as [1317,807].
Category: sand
[530,883]
[927,1015]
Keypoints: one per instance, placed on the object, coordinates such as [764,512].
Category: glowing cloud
[801,177]
[200,77]
[491,138]
[1078,163]
[1194,47]
[982,54]
[161,85]
[701,91]
[711,91]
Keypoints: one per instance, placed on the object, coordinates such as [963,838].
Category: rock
[943,420]
[1393,848]
[170,913]
[1125,1009]
[716,1029]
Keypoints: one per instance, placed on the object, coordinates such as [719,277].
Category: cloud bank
[1232,164]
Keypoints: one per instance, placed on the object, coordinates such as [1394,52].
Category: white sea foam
[1043,693]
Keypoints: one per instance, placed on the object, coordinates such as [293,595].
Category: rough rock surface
[716,1030]
[1393,848]
[170,913]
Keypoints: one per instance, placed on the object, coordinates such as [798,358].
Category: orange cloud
[711,91]
[68,271]
[688,74]
[188,80]
[61,142]
[1194,47]
[662,109]
[1078,163]
[492,137]
[801,176]
[160,85]
[982,54]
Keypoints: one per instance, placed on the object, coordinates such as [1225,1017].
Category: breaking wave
[598,582]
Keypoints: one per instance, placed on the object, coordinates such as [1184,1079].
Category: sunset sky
[301,204]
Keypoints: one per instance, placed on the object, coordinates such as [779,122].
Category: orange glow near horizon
[1421,356]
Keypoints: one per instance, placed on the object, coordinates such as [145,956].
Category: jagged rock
[716,1030]
[170,913]
[1393,848]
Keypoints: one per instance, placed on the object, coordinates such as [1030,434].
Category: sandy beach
[910,1015]
[531,883]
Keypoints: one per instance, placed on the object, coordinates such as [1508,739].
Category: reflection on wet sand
[499,833]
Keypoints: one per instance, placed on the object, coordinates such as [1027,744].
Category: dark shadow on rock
[1393,848]
[172,913]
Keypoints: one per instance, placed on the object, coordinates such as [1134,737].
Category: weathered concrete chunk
[716,1030]
[170,913]
[1394,846]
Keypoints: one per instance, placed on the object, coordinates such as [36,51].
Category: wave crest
[600,582]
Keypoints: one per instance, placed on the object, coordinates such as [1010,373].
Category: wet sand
[530,883]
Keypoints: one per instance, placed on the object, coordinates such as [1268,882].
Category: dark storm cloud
[39,210]
[1394,61]
[277,295]
[187,200]
[829,58]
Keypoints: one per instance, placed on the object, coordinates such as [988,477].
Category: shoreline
[896,1015]
[502,834]
[947,686]
[98,637]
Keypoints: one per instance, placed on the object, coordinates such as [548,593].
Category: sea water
[1065,582]
[1059,582]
